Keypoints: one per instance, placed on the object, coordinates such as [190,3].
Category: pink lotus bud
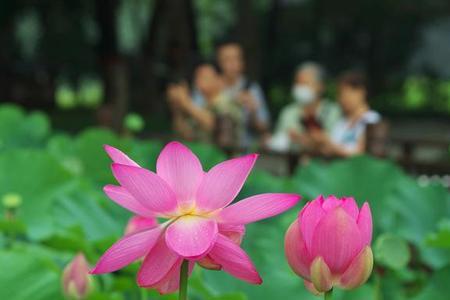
[138,223]
[76,281]
[329,244]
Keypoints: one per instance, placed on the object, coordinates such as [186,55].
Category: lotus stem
[328,295]
[183,280]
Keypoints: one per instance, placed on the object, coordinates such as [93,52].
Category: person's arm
[260,125]
[179,123]
[253,99]
[303,139]
[182,127]
[338,150]
[203,116]
[177,120]
[328,147]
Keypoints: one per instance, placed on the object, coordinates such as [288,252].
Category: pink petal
[350,206]
[233,232]
[223,182]
[122,197]
[295,249]
[365,224]
[234,260]
[181,169]
[257,207]
[330,203]
[119,157]
[127,250]
[146,187]
[310,216]
[359,270]
[138,223]
[208,263]
[157,264]
[337,239]
[231,228]
[191,236]
[171,282]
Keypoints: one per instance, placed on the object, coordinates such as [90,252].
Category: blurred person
[244,92]
[200,122]
[309,112]
[349,136]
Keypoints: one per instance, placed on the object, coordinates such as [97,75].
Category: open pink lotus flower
[199,226]
[329,244]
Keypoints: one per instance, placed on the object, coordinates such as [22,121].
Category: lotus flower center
[190,209]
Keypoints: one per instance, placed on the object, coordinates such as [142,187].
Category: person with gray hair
[308,112]
[316,70]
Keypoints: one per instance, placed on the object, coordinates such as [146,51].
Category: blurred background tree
[131,48]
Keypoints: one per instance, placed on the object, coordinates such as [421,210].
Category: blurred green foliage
[88,95]
[417,94]
[392,251]
[134,122]
[18,129]
[59,180]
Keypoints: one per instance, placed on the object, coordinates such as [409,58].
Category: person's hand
[300,138]
[246,99]
[294,135]
[183,90]
[322,141]
[171,92]
[319,136]
[184,101]
[172,96]
[178,96]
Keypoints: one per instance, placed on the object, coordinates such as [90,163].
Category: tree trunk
[249,37]
[168,49]
[269,63]
[113,66]
[8,10]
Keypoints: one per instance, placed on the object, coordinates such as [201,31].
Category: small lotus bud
[11,201]
[76,281]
